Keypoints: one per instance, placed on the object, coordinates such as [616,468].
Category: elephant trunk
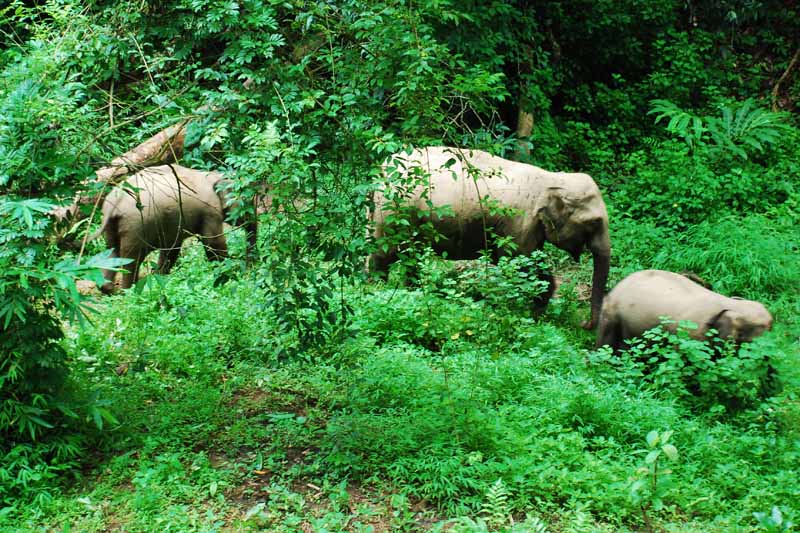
[601,253]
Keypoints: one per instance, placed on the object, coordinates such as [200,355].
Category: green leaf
[652,456]
[638,485]
[40,421]
[652,439]
[776,516]
[670,451]
[658,504]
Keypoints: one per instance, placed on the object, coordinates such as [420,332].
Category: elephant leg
[609,333]
[109,275]
[111,232]
[213,240]
[541,301]
[251,228]
[167,258]
[379,263]
[136,253]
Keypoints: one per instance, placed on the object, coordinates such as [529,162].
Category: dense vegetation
[296,394]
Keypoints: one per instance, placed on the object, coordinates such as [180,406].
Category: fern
[532,524]
[739,128]
[581,521]
[687,126]
[495,507]
[746,126]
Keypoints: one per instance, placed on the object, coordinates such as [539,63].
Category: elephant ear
[554,211]
[723,322]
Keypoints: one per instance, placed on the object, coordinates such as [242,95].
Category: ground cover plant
[297,393]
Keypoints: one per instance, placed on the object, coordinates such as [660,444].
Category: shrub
[710,374]
[741,129]
[36,289]
[44,119]
[667,186]
[514,284]
[751,257]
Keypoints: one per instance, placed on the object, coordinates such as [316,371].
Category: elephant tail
[109,223]
[97,233]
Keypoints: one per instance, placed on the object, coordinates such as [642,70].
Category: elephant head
[574,219]
[744,324]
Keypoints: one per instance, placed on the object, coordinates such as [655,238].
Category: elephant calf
[639,301]
[156,209]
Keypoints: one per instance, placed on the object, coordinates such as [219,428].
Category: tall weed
[751,256]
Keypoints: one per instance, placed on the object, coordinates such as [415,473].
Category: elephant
[488,195]
[641,300]
[156,209]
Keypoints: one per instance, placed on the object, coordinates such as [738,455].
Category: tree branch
[776,89]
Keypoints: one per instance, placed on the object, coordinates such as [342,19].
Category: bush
[514,284]
[667,186]
[751,257]
[710,374]
[36,290]
[44,119]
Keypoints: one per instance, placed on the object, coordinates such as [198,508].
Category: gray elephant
[639,301]
[156,209]
[488,195]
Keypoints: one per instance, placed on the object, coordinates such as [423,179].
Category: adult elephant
[641,300]
[157,209]
[490,199]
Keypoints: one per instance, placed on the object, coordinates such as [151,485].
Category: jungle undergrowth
[434,396]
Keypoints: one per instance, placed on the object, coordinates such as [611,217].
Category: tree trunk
[165,146]
[776,89]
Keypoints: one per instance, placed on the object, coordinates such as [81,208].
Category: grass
[434,412]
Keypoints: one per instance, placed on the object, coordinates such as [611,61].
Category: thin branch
[111,104]
[136,118]
[144,60]
[776,89]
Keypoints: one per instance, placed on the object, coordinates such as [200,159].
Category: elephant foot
[107,288]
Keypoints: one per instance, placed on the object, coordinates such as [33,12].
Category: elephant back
[164,203]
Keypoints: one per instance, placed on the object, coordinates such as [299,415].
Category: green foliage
[46,116]
[495,508]
[711,374]
[513,401]
[773,522]
[668,187]
[748,257]
[649,486]
[36,290]
[497,516]
[683,124]
[740,128]
[513,284]
[422,399]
